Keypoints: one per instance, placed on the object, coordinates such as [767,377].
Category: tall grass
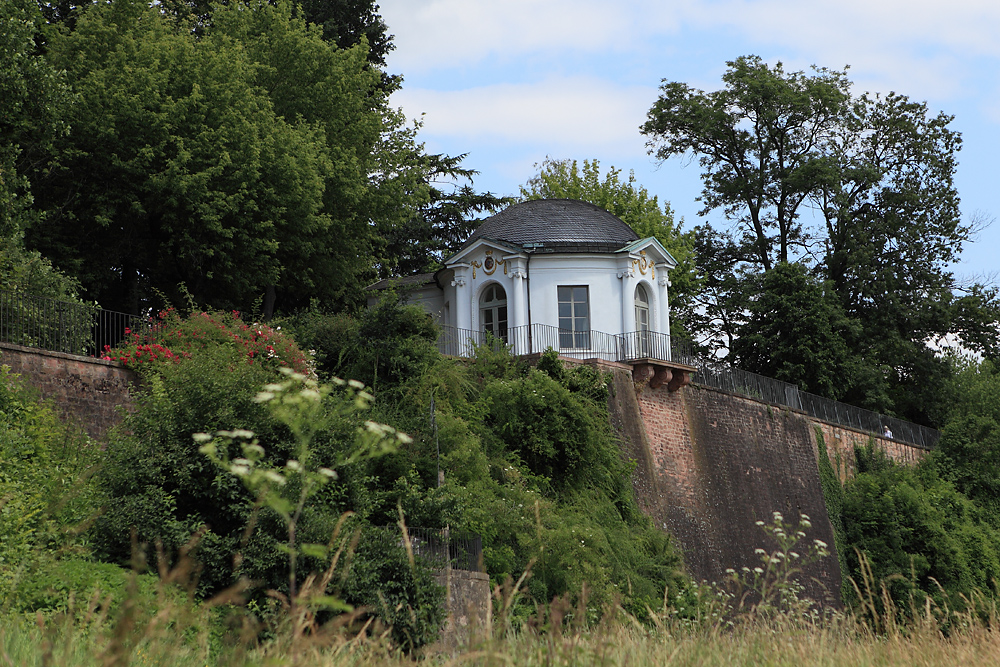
[172,629]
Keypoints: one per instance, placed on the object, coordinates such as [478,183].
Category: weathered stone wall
[840,443]
[717,463]
[469,607]
[89,392]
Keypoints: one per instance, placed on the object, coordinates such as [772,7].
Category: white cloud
[582,112]
[458,33]
[912,46]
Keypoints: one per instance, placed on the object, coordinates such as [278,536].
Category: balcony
[648,352]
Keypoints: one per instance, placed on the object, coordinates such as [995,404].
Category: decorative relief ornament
[458,282]
[519,273]
[627,272]
[643,263]
[488,265]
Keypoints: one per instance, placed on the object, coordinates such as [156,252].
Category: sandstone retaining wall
[90,392]
[469,607]
[718,463]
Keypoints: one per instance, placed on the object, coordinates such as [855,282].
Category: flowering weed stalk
[774,585]
[305,407]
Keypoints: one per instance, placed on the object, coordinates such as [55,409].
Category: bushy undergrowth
[46,496]
[527,459]
[928,530]
[170,338]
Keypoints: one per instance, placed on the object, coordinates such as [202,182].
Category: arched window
[641,309]
[642,335]
[493,311]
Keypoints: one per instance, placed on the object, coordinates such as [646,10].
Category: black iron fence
[441,547]
[536,338]
[866,420]
[62,326]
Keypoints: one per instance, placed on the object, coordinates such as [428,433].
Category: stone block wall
[717,463]
[469,606]
[840,443]
[90,392]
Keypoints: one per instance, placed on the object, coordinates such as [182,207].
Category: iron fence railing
[773,391]
[651,345]
[441,547]
[748,384]
[61,326]
[537,338]
[866,420]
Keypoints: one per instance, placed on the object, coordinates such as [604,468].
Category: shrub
[171,338]
[45,484]
[921,536]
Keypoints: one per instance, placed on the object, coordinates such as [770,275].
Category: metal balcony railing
[537,338]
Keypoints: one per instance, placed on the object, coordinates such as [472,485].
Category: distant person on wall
[886,433]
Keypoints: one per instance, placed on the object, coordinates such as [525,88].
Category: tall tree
[564,179]
[33,98]
[443,222]
[808,344]
[244,162]
[878,175]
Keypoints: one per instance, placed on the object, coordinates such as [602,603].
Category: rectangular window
[574,317]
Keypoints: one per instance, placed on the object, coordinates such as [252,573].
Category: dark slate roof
[557,225]
[402,282]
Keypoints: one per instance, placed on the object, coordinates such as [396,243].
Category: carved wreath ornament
[644,263]
[488,265]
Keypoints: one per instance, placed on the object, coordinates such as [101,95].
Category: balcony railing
[536,338]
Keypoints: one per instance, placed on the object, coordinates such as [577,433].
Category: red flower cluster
[171,338]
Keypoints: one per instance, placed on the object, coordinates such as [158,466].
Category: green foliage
[833,498]
[33,98]
[443,222]
[246,158]
[968,452]
[386,346]
[45,492]
[171,338]
[50,585]
[527,457]
[404,595]
[880,172]
[551,431]
[921,536]
[796,331]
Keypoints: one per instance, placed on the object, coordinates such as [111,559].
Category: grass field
[179,634]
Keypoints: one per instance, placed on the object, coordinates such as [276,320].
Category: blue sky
[512,81]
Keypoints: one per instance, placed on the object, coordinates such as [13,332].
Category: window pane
[565,339]
[580,294]
[580,309]
[565,293]
[565,309]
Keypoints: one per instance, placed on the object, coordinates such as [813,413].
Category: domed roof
[557,225]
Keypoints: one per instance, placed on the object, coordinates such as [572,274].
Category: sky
[511,82]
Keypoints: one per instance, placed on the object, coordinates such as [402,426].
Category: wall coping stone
[60,355]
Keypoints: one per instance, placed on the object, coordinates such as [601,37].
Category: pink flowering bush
[172,338]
